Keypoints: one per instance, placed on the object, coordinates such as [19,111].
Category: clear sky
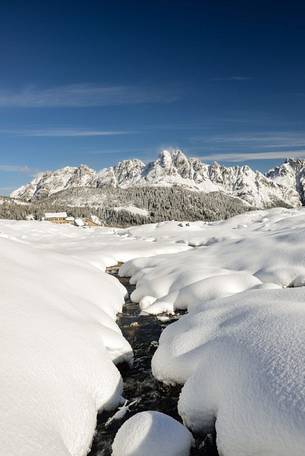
[100,81]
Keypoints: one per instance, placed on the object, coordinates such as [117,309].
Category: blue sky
[100,81]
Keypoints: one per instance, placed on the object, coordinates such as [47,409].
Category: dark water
[142,332]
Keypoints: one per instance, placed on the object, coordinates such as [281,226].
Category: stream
[140,387]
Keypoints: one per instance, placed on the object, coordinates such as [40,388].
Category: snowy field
[239,351]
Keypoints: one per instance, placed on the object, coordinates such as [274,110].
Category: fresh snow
[242,361]
[100,247]
[59,339]
[240,350]
[149,433]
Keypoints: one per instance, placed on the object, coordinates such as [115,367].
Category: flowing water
[140,387]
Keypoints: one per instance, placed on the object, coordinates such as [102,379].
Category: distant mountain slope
[172,168]
[131,206]
[154,204]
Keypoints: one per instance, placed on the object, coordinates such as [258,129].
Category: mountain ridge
[282,185]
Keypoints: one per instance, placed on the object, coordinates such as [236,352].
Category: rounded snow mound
[149,433]
[242,361]
[194,294]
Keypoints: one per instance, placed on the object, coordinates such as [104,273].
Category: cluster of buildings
[63,218]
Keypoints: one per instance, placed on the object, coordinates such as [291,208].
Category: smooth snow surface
[58,341]
[243,362]
[152,433]
[240,350]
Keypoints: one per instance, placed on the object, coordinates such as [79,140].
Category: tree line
[161,203]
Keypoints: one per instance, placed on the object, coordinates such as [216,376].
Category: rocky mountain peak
[284,185]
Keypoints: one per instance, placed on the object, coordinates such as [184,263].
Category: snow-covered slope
[171,168]
[50,182]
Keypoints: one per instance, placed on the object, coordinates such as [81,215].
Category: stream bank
[140,387]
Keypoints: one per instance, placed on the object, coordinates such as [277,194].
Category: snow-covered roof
[79,222]
[55,215]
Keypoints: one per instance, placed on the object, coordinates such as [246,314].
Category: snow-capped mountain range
[283,185]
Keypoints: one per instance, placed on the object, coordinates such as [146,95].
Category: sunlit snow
[239,351]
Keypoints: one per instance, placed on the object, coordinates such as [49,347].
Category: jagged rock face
[285,185]
[291,174]
[127,172]
[252,186]
[124,174]
[47,183]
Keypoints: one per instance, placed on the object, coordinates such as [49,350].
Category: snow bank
[149,433]
[58,343]
[242,359]
[191,296]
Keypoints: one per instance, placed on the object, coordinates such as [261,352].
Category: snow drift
[58,344]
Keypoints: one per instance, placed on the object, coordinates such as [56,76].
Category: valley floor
[238,352]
